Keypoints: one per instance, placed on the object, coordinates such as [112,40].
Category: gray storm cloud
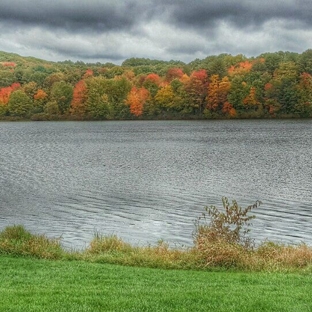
[173,29]
[107,15]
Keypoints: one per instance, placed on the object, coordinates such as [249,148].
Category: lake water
[149,180]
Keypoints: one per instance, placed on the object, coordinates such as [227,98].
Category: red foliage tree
[197,87]
[88,73]
[153,78]
[174,73]
[6,92]
[8,64]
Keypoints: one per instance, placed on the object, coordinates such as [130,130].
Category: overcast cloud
[112,31]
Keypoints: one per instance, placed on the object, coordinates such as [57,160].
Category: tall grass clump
[270,255]
[16,240]
[112,249]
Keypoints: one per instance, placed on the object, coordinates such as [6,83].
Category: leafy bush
[220,235]
[228,226]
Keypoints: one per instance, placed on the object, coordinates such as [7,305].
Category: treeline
[272,85]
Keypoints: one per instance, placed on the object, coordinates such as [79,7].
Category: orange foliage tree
[228,109]
[251,100]
[136,99]
[217,92]
[77,105]
[241,68]
[40,99]
[40,95]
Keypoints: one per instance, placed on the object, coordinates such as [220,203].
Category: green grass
[29,284]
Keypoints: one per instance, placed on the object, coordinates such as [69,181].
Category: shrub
[229,226]
[222,240]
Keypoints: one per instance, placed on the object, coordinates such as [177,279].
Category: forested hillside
[272,85]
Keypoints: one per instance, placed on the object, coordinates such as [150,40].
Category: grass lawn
[29,284]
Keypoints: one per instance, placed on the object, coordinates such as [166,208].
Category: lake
[149,180]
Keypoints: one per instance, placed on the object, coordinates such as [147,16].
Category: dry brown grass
[16,240]
[114,250]
[284,256]
[210,251]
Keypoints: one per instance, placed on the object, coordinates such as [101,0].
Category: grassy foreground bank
[223,271]
[29,284]
[210,253]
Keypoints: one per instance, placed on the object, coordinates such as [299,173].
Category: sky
[112,31]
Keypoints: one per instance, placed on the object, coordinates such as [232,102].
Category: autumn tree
[251,101]
[215,65]
[19,104]
[217,93]
[40,99]
[40,95]
[228,110]
[174,73]
[117,90]
[30,89]
[106,97]
[88,73]
[305,62]
[304,104]
[78,103]
[6,78]
[197,86]
[283,91]
[182,101]
[238,92]
[271,103]
[152,83]
[240,69]
[136,99]
[6,92]
[213,93]
[53,78]
[62,93]
[287,70]
[52,109]
[165,98]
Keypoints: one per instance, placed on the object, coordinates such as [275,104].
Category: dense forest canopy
[272,85]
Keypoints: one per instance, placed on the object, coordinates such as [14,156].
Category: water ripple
[146,181]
